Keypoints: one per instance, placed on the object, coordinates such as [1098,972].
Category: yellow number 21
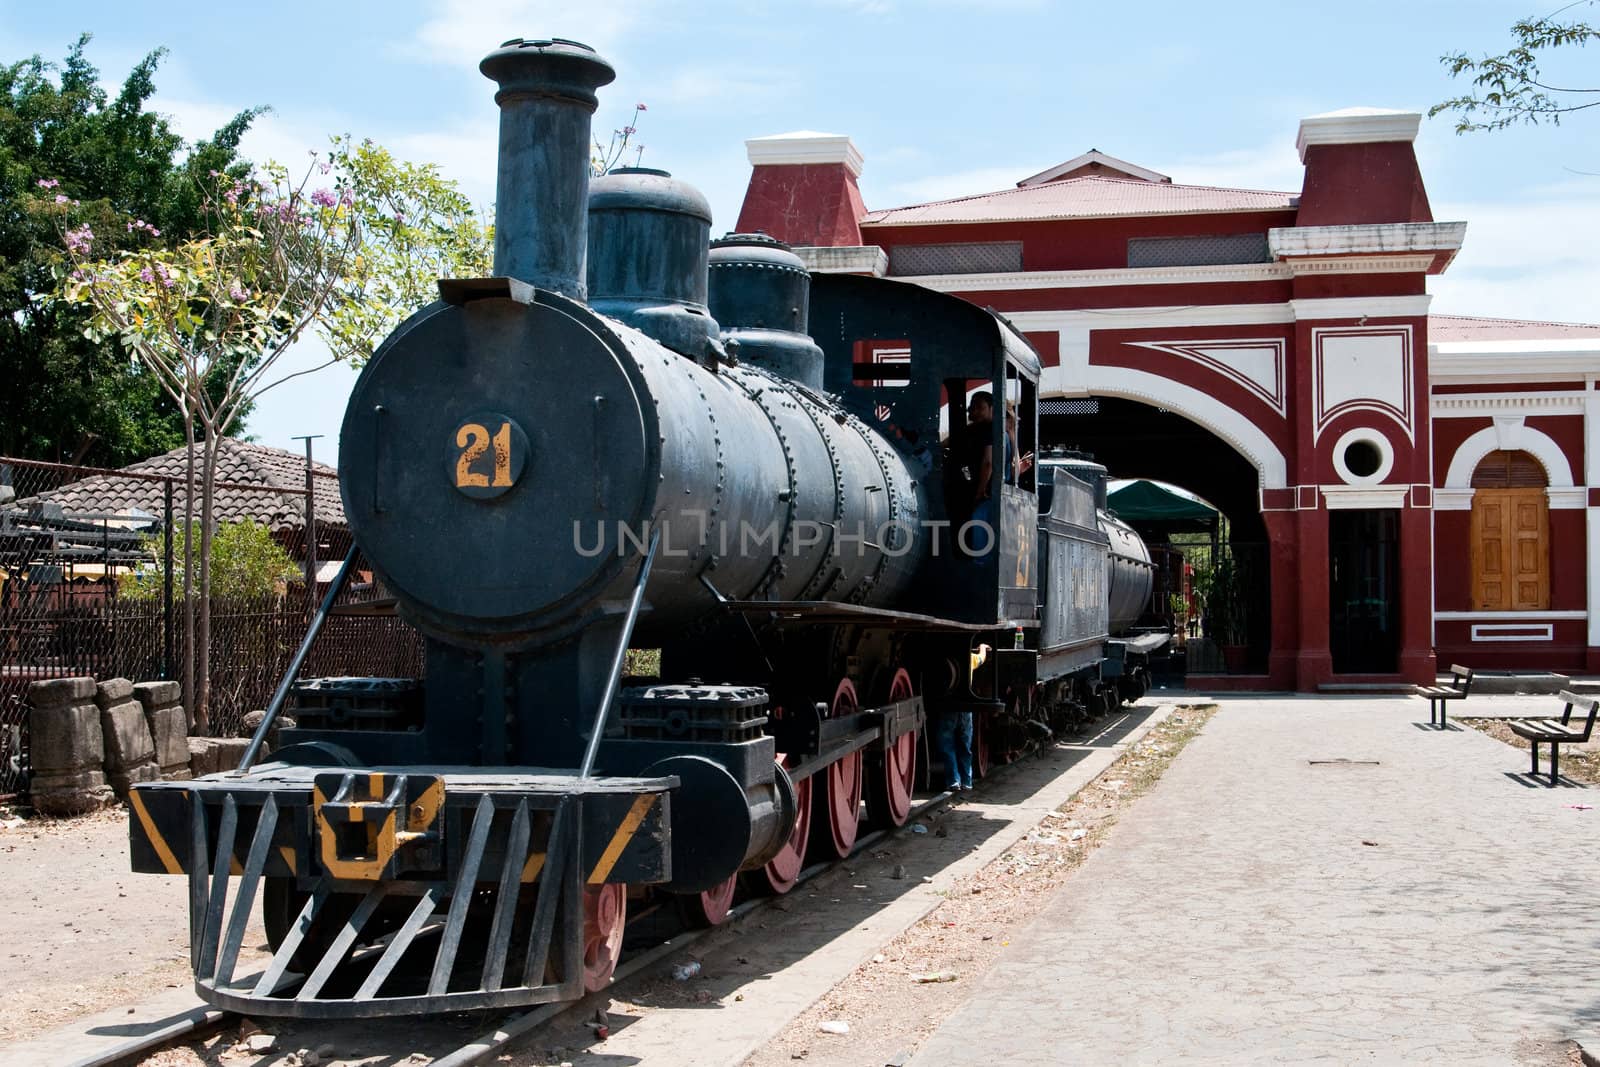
[473,440]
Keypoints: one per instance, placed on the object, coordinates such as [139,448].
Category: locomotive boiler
[632,436]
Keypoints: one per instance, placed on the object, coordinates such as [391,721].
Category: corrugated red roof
[1089,197]
[239,462]
[1472,328]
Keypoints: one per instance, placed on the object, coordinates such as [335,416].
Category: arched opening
[1510,533]
[1233,578]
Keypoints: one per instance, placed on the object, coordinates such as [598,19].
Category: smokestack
[546,98]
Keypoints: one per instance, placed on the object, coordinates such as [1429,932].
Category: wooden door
[1510,550]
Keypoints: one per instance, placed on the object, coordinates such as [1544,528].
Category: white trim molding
[1509,616]
[1480,405]
[1530,631]
[1568,498]
[1369,436]
[1164,317]
[1078,377]
[1508,434]
[1094,155]
[844,259]
[1362,307]
[1361,368]
[1303,265]
[802,147]
[1491,363]
[1452,499]
[1360,497]
[1357,125]
[1239,360]
[1367,239]
[1226,274]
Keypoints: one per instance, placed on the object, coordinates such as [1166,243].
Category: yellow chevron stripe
[159,843]
[620,839]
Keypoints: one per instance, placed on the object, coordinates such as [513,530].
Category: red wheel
[839,796]
[782,871]
[711,907]
[892,777]
[605,912]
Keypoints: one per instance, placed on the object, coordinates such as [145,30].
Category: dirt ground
[1581,763]
[82,933]
[893,1003]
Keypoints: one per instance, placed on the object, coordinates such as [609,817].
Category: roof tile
[1474,328]
[239,462]
[1084,198]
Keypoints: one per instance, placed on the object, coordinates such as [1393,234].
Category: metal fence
[85,589]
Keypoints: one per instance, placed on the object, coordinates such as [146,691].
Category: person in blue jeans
[955,746]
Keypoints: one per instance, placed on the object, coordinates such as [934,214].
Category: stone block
[169,731]
[70,794]
[113,691]
[66,748]
[213,755]
[157,694]
[252,722]
[65,738]
[130,750]
[54,691]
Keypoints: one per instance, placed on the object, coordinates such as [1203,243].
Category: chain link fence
[86,589]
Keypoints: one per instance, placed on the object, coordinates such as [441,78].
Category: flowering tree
[344,250]
[417,226]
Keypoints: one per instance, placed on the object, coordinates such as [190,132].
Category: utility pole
[311,528]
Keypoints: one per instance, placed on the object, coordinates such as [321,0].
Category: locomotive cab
[909,361]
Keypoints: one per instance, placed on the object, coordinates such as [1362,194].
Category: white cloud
[1271,166]
[271,135]
[461,32]
[962,183]
[1532,256]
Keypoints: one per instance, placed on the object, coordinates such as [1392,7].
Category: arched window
[1510,534]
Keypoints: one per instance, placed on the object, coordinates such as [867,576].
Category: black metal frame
[281,991]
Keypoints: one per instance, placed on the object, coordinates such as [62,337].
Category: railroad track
[204,1022]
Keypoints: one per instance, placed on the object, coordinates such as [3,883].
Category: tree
[62,136]
[419,228]
[1510,88]
[246,562]
[278,256]
[209,317]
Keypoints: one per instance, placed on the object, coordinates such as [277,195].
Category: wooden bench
[1557,732]
[1439,696]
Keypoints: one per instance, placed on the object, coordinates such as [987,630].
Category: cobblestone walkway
[1256,907]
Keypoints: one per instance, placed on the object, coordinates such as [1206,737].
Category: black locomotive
[633,436]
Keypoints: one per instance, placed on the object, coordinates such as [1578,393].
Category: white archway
[1248,439]
[1512,436]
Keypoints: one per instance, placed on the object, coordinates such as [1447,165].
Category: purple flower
[323,168]
[166,277]
[323,198]
[640,107]
[63,199]
[629,131]
[47,183]
[399,216]
[237,291]
[79,240]
[147,275]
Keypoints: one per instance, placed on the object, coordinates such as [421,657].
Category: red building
[1415,488]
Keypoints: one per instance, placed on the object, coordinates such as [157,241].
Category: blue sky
[943,97]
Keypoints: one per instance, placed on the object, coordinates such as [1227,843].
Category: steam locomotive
[633,436]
